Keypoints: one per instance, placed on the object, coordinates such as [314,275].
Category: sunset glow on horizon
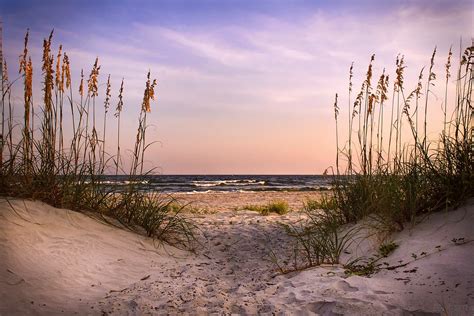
[244,87]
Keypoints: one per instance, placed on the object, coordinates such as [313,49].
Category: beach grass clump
[320,238]
[66,164]
[279,207]
[397,181]
[175,206]
[325,202]
[389,180]
[158,216]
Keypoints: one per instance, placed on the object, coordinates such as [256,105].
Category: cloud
[207,47]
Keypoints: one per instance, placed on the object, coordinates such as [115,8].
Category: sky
[244,87]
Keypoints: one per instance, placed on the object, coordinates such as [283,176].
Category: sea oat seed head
[48,72]
[5,72]
[120,102]
[81,85]
[398,85]
[58,70]
[23,57]
[92,83]
[29,80]
[351,74]
[149,93]
[66,71]
[107,95]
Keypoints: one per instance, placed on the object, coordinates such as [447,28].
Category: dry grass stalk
[351,118]
[26,68]
[336,113]
[106,109]
[118,112]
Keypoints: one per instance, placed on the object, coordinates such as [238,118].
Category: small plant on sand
[386,249]
[361,267]
[279,207]
[326,202]
[368,266]
[321,238]
[67,167]
[177,207]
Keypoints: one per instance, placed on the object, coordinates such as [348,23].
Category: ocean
[225,183]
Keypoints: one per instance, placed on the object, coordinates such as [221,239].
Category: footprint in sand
[322,308]
[381,292]
[344,286]
[291,298]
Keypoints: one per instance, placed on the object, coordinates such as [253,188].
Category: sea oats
[149,94]
[119,107]
[59,77]
[448,64]
[107,95]
[92,83]
[81,84]
[48,72]
[369,72]
[66,71]
[399,71]
[23,57]
[351,75]
[372,101]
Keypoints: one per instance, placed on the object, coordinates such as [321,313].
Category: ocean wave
[208,183]
[206,191]
[115,182]
[193,184]
[124,182]
[259,189]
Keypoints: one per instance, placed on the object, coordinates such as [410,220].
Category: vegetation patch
[389,178]
[386,249]
[394,173]
[279,207]
[326,202]
[57,154]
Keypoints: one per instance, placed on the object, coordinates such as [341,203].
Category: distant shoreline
[235,201]
[192,184]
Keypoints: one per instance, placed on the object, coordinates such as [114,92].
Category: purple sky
[244,86]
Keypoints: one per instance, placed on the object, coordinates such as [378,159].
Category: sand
[55,261]
[230,201]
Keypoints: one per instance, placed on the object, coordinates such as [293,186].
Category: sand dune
[55,261]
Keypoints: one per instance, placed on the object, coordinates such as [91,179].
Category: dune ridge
[56,261]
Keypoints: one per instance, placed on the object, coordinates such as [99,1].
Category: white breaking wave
[227,182]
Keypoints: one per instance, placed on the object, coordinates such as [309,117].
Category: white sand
[54,261]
